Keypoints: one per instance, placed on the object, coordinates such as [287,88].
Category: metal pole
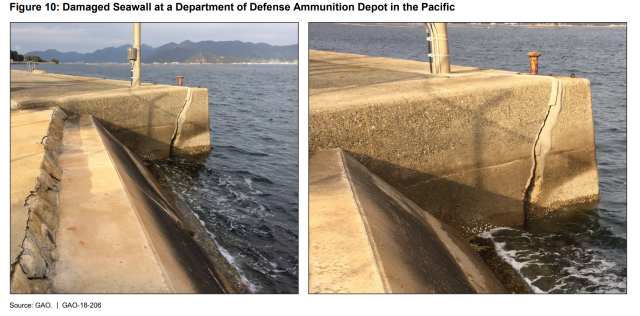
[441,49]
[136,44]
[429,39]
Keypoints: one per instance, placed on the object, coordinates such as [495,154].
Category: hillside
[209,58]
[217,52]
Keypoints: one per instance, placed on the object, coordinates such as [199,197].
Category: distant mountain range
[187,51]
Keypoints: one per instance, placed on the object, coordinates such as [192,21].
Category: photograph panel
[467,158]
[154,158]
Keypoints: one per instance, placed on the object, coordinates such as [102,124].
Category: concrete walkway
[340,257]
[102,246]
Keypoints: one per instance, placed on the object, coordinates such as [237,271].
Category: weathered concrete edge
[33,270]
[532,201]
[477,273]
[184,219]
[356,198]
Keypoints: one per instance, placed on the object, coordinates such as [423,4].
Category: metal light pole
[136,44]
[442,48]
[440,45]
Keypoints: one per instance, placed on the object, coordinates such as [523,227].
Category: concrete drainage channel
[96,221]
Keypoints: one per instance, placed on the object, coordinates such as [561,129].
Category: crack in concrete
[182,117]
[542,147]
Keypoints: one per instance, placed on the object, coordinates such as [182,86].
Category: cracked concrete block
[51,166]
[52,147]
[474,131]
[19,282]
[45,209]
[53,256]
[32,261]
[192,130]
[52,197]
[44,181]
[40,233]
[49,194]
[40,286]
[59,115]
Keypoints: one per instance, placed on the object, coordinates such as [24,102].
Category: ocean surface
[245,191]
[576,249]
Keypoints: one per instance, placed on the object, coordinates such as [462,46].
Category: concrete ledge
[364,236]
[461,146]
[153,120]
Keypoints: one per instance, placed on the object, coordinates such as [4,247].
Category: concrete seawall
[155,121]
[86,214]
[478,148]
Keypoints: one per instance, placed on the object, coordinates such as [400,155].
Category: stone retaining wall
[33,270]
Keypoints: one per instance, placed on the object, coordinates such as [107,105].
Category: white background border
[303,304]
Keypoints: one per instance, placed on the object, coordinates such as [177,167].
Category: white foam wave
[594,271]
[254,288]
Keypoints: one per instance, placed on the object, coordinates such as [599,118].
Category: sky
[89,37]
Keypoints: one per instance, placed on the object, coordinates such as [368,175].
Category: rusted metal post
[533,62]
[180,81]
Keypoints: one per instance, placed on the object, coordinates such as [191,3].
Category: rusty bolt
[180,81]
[533,62]
[573,75]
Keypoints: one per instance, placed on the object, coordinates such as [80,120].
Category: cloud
[88,37]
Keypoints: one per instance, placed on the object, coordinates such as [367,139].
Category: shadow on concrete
[412,255]
[484,185]
[468,209]
[173,238]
